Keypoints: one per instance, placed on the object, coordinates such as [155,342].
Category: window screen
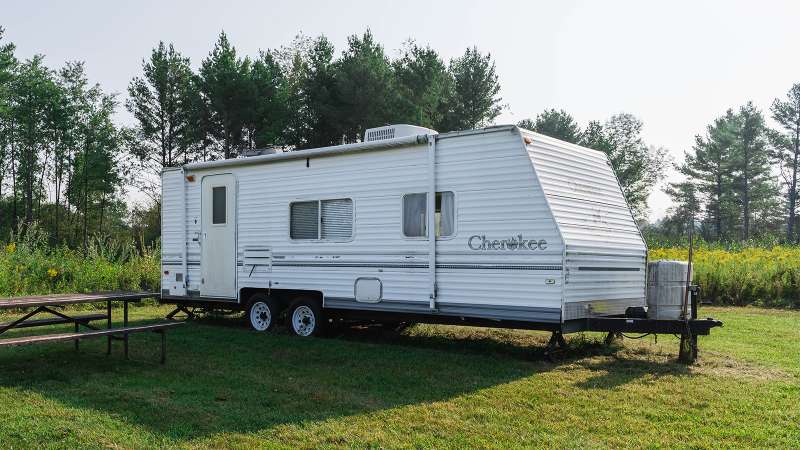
[337,219]
[304,220]
[218,205]
[415,214]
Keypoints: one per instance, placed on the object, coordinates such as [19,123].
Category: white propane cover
[666,285]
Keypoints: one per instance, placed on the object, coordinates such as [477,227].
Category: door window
[218,207]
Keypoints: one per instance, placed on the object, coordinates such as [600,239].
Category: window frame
[425,237]
[319,221]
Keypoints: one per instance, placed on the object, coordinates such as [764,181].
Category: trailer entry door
[218,212]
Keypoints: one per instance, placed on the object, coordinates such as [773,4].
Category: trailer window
[337,219]
[304,220]
[218,205]
[327,219]
[415,222]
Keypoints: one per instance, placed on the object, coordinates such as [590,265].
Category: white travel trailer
[498,226]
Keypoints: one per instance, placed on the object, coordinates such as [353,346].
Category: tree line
[740,176]
[300,96]
[57,136]
[638,166]
[65,164]
[739,179]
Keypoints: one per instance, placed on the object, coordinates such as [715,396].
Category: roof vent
[395,131]
[262,151]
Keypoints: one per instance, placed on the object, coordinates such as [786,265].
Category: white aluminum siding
[605,255]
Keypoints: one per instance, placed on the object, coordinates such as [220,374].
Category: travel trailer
[498,226]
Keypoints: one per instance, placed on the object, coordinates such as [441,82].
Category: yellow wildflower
[11,248]
[52,273]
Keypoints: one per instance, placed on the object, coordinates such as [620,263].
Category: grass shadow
[221,377]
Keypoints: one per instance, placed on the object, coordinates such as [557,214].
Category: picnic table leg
[125,324]
[77,341]
[108,321]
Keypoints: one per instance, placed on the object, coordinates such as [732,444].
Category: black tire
[262,312]
[305,317]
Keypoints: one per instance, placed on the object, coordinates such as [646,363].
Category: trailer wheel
[306,318]
[262,312]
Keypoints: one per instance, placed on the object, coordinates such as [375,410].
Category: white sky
[676,65]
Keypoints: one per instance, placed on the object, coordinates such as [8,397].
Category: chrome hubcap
[303,321]
[260,316]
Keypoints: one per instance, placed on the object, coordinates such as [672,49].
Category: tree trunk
[792,200]
[718,207]
[59,168]
[29,185]
[746,192]
[85,200]
[14,187]
[102,212]
[41,186]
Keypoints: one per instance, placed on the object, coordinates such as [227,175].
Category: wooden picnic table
[49,303]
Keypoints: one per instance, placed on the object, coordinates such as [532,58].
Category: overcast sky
[676,65]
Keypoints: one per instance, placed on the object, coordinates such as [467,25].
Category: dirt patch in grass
[724,366]
[654,361]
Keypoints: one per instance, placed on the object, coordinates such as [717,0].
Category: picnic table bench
[49,304]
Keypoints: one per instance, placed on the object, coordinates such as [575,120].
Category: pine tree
[753,186]
[422,83]
[709,166]
[159,102]
[364,87]
[473,99]
[787,144]
[228,96]
[554,123]
[686,207]
[319,98]
[269,115]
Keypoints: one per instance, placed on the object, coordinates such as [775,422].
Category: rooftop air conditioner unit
[395,131]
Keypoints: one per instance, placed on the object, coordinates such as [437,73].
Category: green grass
[431,386]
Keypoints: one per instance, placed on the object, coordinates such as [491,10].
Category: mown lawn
[431,386]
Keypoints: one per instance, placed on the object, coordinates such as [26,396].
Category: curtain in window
[414,220]
[446,226]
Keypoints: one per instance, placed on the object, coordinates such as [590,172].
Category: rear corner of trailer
[605,256]
[173,235]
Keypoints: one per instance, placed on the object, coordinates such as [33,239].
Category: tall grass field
[738,276]
[746,276]
[28,266]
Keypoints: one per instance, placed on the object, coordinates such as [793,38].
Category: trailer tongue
[637,322]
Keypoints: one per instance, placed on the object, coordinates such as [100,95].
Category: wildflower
[11,248]
[52,273]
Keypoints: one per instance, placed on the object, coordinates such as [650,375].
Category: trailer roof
[420,139]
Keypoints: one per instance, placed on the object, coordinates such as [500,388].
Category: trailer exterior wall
[496,196]
[605,255]
[508,184]
[173,233]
